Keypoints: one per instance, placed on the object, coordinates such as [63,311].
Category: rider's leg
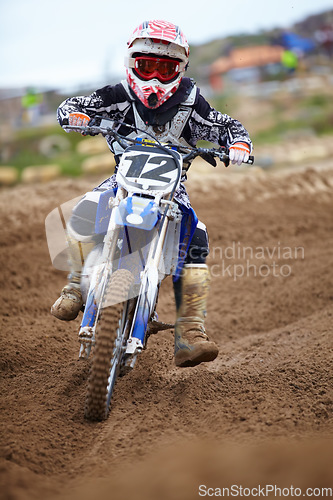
[69,304]
[80,239]
[192,345]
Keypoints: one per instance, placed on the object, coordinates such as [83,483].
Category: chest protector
[172,130]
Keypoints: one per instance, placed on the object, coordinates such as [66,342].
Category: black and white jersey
[184,119]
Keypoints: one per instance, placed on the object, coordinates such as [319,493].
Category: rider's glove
[239,152]
[78,119]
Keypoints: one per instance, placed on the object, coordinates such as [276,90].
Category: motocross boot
[69,304]
[192,345]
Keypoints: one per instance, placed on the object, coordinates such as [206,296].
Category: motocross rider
[156,98]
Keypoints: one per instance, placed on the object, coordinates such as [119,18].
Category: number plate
[149,170]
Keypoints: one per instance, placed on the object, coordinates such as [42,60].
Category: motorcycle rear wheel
[111,330]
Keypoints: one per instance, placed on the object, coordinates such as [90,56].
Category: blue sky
[73,42]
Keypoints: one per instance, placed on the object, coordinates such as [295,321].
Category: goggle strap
[130,62]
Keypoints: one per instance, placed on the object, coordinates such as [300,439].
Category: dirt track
[261,413]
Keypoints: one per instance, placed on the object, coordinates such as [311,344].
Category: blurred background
[270,67]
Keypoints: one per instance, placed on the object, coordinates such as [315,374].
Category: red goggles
[154,67]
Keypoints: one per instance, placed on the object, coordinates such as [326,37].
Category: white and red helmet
[156,61]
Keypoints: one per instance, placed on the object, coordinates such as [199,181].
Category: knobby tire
[111,319]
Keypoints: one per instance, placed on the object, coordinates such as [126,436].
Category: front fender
[135,211]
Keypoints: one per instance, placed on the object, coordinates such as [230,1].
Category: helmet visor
[148,67]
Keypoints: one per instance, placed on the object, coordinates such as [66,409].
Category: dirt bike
[146,235]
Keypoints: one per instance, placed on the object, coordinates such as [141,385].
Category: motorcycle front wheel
[111,332]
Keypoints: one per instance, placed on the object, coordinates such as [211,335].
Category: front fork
[98,283]
[145,308]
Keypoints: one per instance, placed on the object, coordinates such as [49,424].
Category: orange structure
[245,57]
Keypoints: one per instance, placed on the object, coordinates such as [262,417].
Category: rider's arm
[206,123]
[80,104]
[108,101]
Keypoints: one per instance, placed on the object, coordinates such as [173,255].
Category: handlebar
[106,127]
[209,154]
